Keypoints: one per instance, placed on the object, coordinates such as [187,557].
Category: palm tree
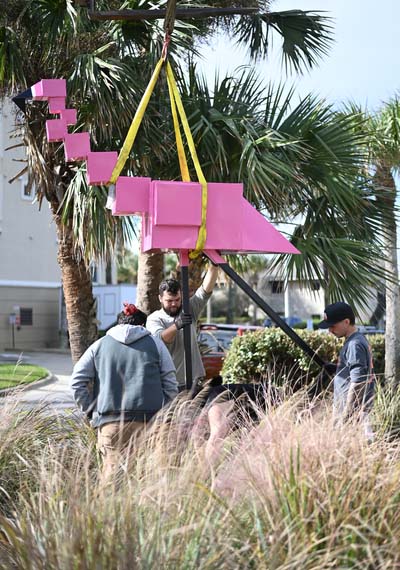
[107,66]
[385,157]
[298,161]
[106,63]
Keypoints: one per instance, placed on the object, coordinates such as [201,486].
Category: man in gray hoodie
[121,381]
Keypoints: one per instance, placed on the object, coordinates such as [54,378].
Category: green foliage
[12,375]
[127,267]
[386,411]
[377,342]
[254,354]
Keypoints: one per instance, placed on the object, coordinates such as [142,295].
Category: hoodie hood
[127,334]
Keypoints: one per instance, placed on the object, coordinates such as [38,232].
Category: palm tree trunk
[150,275]
[77,286]
[384,180]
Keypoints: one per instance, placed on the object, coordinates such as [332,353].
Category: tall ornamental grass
[291,492]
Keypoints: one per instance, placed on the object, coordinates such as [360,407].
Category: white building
[31,305]
[29,273]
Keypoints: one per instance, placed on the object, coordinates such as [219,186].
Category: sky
[363,64]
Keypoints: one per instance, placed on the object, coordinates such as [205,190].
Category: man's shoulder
[158,319]
[356,343]
[155,314]
[358,338]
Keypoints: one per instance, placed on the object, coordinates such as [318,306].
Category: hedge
[255,354]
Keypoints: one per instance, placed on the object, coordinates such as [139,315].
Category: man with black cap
[354,381]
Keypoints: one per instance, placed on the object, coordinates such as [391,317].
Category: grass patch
[12,375]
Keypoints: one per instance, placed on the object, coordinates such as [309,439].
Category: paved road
[54,392]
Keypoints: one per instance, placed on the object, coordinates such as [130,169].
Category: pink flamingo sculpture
[171,211]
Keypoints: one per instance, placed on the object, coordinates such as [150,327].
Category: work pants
[113,439]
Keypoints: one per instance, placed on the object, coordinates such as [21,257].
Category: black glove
[182,320]
[330,368]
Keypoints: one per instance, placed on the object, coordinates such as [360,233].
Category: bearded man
[167,323]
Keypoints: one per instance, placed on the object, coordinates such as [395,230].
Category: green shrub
[301,325]
[377,342]
[252,355]
[386,411]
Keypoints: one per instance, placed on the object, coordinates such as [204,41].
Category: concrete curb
[49,379]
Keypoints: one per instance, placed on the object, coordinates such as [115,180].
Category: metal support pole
[187,329]
[271,313]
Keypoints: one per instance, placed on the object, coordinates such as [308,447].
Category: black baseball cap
[335,313]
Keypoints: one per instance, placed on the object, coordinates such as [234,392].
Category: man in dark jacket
[354,381]
[121,381]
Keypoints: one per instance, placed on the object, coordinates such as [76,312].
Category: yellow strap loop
[137,119]
[176,108]
[201,238]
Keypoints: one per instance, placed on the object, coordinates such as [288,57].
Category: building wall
[110,299]
[29,273]
[44,331]
[304,303]
[300,301]
[28,241]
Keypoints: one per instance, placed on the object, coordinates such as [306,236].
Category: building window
[93,271]
[108,273]
[27,190]
[20,118]
[277,286]
[26,316]
[315,285]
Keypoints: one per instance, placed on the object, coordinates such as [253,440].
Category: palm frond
[97,233]
[346,268]
[306,36]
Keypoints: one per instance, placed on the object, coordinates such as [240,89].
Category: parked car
[214,341]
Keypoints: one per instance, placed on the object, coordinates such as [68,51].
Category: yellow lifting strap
[179,143]
[178,112]
[201,238]
[137,119]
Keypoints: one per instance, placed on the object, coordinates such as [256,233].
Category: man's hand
[182,320]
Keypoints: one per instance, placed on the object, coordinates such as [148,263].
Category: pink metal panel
[131,195]
[177,203]
[49,88]
[166,237]
[56,104]
[100,166]
[56,130]
[224,215]
[171,211]
[69,115]
[77,146]
[259,235]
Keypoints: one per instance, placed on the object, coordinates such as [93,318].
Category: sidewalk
[55,391]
